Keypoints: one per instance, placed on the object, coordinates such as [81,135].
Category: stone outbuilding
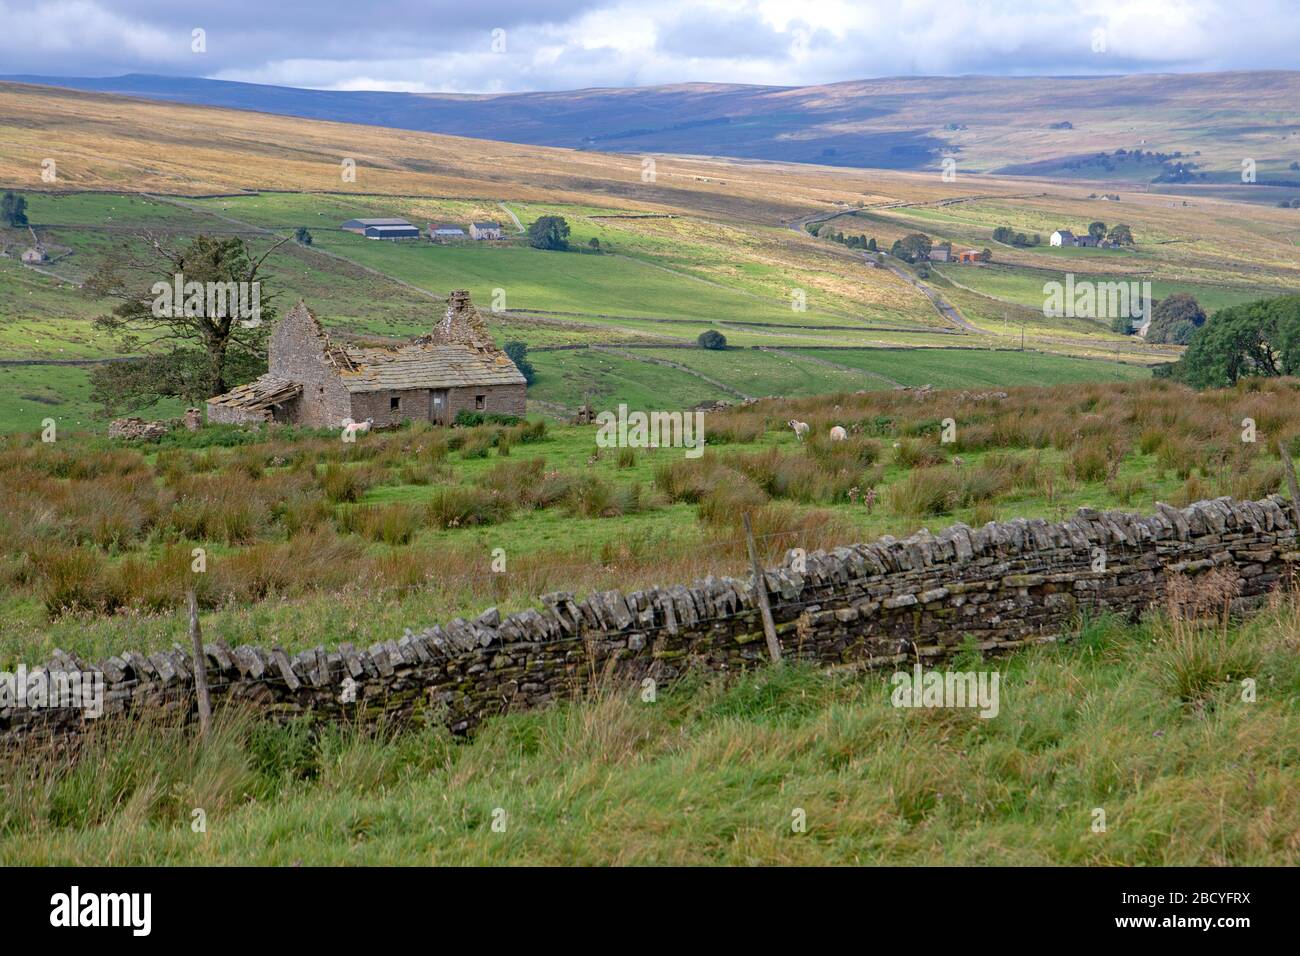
[314,381]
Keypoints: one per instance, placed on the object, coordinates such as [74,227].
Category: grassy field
[691,250]
[305,532]
[1024,286]
[707,244]
[1146,723]
[659,279]
[958,368]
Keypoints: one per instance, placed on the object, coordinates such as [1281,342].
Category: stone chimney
[462,325]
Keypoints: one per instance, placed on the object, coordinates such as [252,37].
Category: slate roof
[397,230]
[260,393]
[360,223]
[425,365]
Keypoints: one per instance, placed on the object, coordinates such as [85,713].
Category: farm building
[445,230]
[1062,237]
[359,226]
[941,253]
[314,381]
[392,232]
[485,230]
[970,256]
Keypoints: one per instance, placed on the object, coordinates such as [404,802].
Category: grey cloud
[563,44]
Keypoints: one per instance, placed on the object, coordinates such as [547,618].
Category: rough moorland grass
[1147,723]
[96,538]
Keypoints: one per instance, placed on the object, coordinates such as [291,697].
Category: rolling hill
[702,243]
[1052,126]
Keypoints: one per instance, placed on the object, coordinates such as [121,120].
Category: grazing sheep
[800,429]
[838,434]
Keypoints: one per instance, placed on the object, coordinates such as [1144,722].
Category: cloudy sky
[512,45]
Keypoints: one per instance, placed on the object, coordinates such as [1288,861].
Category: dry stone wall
[1004,585]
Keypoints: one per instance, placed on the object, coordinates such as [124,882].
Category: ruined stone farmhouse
[312,380]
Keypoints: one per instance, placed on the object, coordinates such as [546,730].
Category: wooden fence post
[1289,465]
[760,588]
[200,666]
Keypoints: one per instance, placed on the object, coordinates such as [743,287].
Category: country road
[941,305]
[954,316]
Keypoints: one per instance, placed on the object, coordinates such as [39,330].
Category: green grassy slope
[961,368]
[1118,718]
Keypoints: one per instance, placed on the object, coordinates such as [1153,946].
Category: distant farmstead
[445,230]
[314,381]
[359,226]
[392,232]
[1063,237]
[485,230]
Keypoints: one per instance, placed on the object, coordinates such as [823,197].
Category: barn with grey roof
[315,381]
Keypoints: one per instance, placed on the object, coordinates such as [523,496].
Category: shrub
[515,480]
[855,452]
[925,492]
[1178,455]
[914,453]
[468,419]
[223,507]
[518,353]
[387,523]
[688,479]
[724,504]
[341,484]
[711,339]
[73,579]
[476,444]
[592,497]
[1089,461]
[458,507]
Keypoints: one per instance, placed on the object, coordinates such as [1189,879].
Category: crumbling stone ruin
[136,429]
[1005,585]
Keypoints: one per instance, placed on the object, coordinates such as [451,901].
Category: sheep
[800,429]
[352,429]
[838,433]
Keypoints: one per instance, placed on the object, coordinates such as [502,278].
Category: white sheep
[352,429]
[800,429]
[838,433]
